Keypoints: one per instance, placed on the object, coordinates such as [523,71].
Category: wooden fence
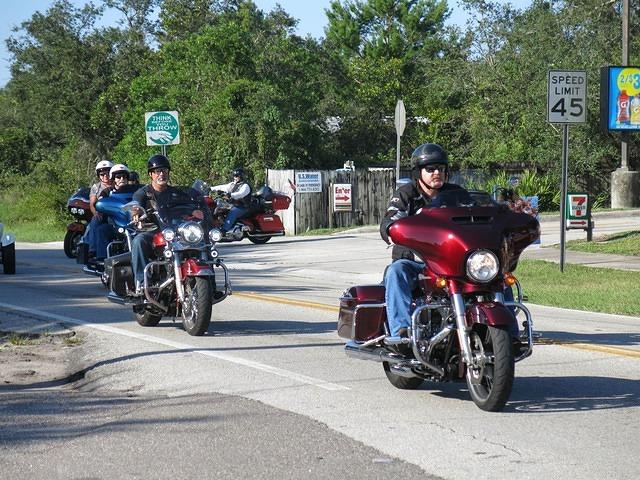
[371,191]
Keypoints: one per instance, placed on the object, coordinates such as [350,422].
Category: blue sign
[622,92]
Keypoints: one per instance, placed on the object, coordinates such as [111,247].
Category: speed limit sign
[567,96]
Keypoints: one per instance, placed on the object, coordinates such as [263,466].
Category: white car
[8,251]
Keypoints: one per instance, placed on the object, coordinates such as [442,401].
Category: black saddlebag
[120,274]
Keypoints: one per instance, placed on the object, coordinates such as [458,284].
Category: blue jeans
[141,250]
[400,279]
[103,235]
[234,214]
[90,233]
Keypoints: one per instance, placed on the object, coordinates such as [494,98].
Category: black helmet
[158,161]
[134,177]
[238,172]
[429,154]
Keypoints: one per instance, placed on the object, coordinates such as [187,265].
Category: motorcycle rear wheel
[146,318]
[196,309]
[403,383]
[9,259]
[71,240]
[490,384]
[259,240]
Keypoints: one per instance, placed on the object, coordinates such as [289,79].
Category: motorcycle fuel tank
[112,206]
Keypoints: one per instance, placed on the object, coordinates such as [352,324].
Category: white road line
[184,346]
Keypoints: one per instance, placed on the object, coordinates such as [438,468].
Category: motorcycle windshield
[179,208]
[458,222]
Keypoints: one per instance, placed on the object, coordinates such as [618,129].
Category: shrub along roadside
[582,288]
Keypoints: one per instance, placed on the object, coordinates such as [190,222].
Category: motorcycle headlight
[191,232]
[482,266]
[215,235]
[168,234]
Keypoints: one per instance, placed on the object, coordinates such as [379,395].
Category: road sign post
[400,121]
[566,104]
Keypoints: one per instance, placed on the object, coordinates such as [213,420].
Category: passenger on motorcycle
[239,193]
[105,232]
[156,194]
[102,171]
[430,165]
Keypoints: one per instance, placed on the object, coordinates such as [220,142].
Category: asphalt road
[268,392]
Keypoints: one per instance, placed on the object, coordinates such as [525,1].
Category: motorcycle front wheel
[490,382]
[196,309]
[71,240]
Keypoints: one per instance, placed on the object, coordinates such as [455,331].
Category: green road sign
[162,128]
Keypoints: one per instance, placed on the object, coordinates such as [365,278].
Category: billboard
[620,98]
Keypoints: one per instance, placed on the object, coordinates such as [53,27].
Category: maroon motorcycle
[461,325]
[260,224]
[78,207]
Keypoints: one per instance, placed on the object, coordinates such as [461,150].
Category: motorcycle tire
[71,240]
[490,385]
[403,383]
[196,309]
[146,318]
[9,259]
[259,240]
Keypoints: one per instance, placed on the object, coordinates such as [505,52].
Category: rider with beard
[155,195]
[430,166]
[239,192]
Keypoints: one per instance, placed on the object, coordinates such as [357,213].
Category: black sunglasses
[103,172]
[158,171]
[433,168]
[121,175]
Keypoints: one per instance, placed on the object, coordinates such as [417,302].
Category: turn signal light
[509,279]
[441,282]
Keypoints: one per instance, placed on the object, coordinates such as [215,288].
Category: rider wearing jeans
[156,194]
[430,165]
[240,193]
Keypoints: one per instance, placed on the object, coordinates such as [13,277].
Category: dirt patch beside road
[35,354]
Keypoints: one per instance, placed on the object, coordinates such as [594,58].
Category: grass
[581,288]
[623,243]
[36,233]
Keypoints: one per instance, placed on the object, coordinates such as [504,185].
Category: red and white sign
[577,210]
[341,196]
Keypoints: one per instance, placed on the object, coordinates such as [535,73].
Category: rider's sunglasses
[103,172]
[158,171]
[121,175]
[433,168]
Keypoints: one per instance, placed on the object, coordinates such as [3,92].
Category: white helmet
[103,165]
[118,168]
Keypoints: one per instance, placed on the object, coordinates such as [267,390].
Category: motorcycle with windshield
[78,207]
[183,274]
[261,222]
[461,326]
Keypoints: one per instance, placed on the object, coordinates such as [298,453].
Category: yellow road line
[286,301]
[625,352]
